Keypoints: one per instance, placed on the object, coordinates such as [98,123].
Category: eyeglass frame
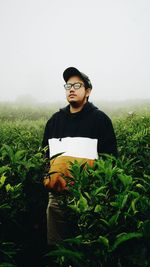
[72,85]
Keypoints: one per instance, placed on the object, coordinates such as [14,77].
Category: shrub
[111,212]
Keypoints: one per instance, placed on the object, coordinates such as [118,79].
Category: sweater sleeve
[46,137]
[107,139]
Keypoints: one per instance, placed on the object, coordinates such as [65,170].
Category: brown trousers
[56,221]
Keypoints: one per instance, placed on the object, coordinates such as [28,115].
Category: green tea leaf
[103,240]
[98,208]
[82,203]
[123,237]
[125,179]
[2,180]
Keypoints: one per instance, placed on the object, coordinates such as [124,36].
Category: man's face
[77,96]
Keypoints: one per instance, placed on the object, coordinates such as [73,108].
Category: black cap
[71,71]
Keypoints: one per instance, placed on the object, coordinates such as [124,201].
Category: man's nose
[72,88]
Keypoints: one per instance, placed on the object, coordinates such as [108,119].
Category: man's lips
[72,95]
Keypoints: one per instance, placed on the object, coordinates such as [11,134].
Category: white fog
[107,40]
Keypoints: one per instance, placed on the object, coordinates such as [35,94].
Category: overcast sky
[109,40]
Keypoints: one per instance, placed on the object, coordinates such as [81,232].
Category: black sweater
[90,123]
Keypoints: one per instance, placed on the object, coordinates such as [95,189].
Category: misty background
[107,40]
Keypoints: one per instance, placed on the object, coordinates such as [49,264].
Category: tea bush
[109,204]
[23,203]
[111,212]
[133,136]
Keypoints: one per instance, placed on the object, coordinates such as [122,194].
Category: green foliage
[22,134]
[7,253]
[23,201]
[133,136]
[111,211]
[108,204]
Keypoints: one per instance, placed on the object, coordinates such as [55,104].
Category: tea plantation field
[110,216]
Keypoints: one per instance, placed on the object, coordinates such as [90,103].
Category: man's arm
[45,140]
[46,149]
[107,143]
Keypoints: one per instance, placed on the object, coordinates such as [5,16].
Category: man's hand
[55,182]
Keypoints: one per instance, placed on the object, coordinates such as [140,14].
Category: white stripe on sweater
[82,147]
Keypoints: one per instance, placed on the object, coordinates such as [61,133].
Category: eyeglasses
[76,86]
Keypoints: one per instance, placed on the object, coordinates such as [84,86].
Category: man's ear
[88,91]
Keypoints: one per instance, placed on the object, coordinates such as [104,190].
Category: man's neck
[75,108]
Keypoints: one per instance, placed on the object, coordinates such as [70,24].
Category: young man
[80,131]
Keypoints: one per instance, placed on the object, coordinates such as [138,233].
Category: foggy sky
[108,40]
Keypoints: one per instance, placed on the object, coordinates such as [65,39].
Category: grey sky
[109,40]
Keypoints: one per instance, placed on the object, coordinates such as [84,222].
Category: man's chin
[74,103]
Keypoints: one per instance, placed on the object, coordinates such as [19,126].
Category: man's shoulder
[56,114]
[100,114]
[53,116]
